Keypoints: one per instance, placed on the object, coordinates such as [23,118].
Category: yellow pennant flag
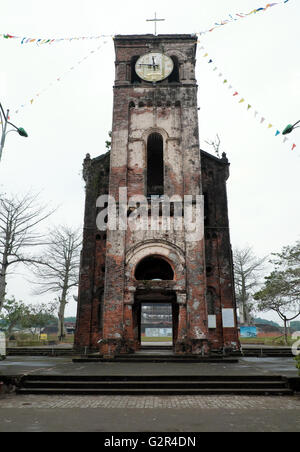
[241,101]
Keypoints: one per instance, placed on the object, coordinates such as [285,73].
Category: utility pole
[4,120]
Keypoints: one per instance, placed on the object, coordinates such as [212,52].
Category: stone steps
[28,351]
[148,352]
[158,392]
[155,359]
[267,352]
[154,385]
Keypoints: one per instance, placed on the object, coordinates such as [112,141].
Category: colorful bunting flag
[239,16]
[58,79]
[40,41]
[249,106]
[232,18]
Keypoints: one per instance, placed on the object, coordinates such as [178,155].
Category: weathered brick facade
[200,287]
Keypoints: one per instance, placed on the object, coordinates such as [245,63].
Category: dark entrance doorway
[155,318]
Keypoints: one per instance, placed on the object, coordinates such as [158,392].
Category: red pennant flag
[236,93]
[293,147]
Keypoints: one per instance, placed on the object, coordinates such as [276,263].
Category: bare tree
[19,219]
[247,271]
[58,271]
[216,145]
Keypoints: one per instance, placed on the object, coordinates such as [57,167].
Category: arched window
[134,77]
[174,76]
[155,165]
[206,209]
[154,268]
[211,301]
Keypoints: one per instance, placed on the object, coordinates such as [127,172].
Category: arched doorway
[155,319]
[155,308]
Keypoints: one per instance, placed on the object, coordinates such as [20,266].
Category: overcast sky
[257,55]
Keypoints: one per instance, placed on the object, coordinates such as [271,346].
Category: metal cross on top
[155,20]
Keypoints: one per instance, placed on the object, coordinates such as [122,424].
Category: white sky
[258,55]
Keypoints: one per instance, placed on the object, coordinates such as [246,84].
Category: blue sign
[248,331]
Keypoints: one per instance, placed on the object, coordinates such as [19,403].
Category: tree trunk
[3,283]
[285,331]
[244,302]
[61,317]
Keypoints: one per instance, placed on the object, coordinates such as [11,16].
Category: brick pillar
[129,339]
[197,325]
[180,345]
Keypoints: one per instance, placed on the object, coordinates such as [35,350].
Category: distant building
[53,329]
[156,320]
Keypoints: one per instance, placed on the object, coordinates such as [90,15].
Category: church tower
[166,234]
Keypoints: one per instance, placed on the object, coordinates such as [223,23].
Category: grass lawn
[272,341]
[156,339]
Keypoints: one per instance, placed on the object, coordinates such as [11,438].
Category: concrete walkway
[40,413]
[22,365]
[156,414]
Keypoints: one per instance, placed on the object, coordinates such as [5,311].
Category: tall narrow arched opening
[155,165]
[174,76]
[134,77]
[211,301]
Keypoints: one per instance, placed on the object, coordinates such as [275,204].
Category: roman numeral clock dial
[154,67]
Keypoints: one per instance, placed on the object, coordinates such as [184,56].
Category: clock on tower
[154,67]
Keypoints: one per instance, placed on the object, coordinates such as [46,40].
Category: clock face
[154,67]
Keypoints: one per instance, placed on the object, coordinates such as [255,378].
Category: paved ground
[37,413]
[52,366]
[149,414]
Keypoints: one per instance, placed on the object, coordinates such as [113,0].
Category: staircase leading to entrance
[161,354]
[154,385]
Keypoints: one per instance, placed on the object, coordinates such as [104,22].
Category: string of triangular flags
[239,16]
[241,100]
[230,19]
[60,78]
[41,41]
